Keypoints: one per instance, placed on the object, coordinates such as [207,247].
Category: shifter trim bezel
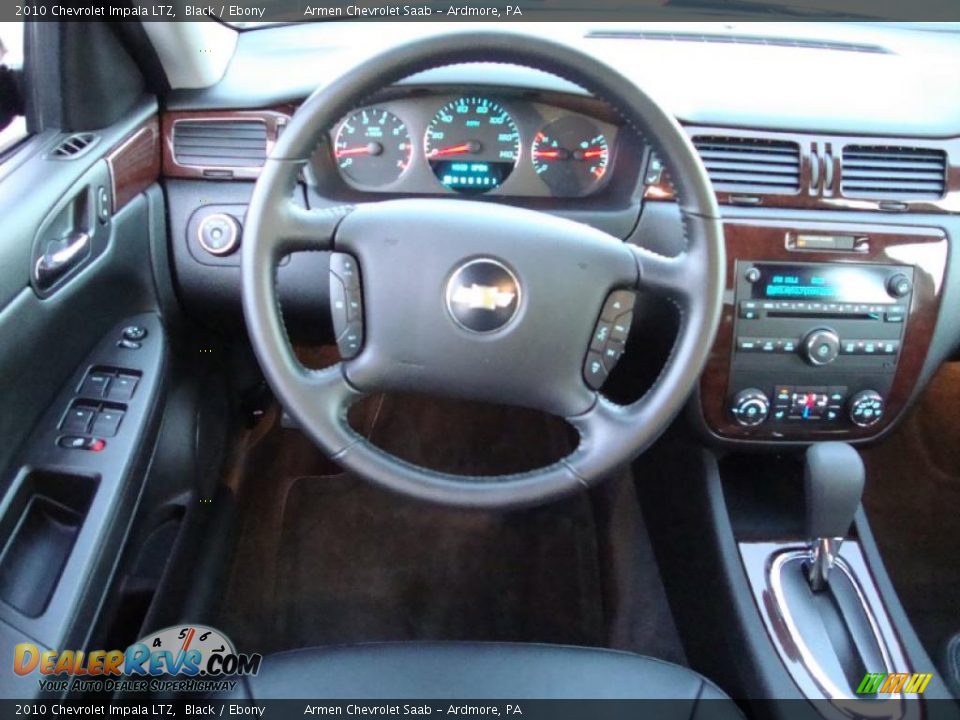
[763,563]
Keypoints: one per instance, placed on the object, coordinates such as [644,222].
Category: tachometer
[570,155]
[472,145]
[372,147]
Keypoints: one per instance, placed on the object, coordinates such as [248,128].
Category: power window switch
[122,387]
[77,420]
[95,385]
[107,423]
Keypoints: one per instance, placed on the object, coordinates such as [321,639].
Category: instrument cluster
[473,144]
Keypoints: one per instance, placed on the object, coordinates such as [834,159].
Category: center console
[824,328]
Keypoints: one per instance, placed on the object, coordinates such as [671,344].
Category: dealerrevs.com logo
[182,658]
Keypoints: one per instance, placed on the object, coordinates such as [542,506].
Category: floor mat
[324,558]
[361,564]
[912,499]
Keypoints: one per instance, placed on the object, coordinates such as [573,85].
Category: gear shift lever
[833,484]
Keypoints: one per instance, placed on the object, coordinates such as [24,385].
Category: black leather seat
[478,671]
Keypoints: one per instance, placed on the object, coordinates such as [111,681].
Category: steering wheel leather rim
[610,434]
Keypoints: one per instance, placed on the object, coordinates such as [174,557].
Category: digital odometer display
[472,145]
[828,283]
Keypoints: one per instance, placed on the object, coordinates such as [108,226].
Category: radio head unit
[816,344]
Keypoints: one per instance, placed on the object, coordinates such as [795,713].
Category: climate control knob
[750,407]
[866,408]
[821,346]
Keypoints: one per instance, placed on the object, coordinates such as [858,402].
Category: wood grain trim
[135,163]
[827,148]
[274,119]
[924,248]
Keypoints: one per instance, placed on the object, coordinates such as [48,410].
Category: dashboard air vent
[748,165]
[728,39]
[73,146]
[220,143]
[881,171]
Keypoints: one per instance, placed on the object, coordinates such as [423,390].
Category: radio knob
[821,346]
[866,408]
[899,285]
[750,407]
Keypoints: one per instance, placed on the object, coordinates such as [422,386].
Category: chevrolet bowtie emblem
[481,297]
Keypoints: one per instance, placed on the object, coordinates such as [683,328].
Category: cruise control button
[593,370]
[338,305]
[618,302]
[354,305]
[350,341]
[345,268]
[601,334]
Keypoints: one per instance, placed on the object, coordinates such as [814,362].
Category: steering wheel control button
[134,332]
[618,303]
[621,327]
[483,296]
[594,371]
[866,408]
[345,268]
[750,407]
[350,341]
[346,304]
[611,354]
[821,346]
[219,234]
[601,335]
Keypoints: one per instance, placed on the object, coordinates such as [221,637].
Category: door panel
[46,331]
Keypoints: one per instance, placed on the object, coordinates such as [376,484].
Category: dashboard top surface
[902,90]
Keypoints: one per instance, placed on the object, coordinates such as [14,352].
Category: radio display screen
[825,283]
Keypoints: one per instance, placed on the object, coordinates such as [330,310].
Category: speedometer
[472,145]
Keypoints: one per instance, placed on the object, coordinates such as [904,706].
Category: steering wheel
[531,288]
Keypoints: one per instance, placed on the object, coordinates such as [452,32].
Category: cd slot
[814,315]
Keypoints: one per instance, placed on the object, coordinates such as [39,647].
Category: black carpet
[361,564]
[912,500]
[325,558]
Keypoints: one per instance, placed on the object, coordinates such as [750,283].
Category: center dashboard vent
[220,143]
[749,165]
[883,172]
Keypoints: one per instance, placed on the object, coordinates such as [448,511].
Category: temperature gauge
[570,155]
[372,147]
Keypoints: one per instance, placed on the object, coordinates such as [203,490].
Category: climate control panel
[815,345]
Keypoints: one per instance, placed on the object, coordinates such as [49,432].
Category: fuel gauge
[570,155]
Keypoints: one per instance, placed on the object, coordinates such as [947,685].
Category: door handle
[60,257]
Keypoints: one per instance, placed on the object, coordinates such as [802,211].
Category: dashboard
[846,224]
[474,143]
